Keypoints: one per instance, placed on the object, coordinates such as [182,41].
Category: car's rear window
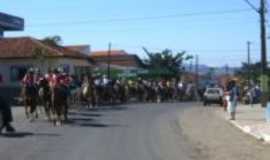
[213,91]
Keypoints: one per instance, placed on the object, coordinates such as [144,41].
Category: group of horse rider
[50,90]
[56,89]
[102,90]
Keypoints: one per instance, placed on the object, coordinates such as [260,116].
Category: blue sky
[218,39]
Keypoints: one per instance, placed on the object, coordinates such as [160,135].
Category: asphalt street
[168,131]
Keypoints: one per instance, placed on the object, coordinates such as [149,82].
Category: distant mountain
[204,69]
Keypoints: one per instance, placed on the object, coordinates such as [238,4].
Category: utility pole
[109,61]
[191,65]
[248,62]
[197,77]
[227,70]
[197,71]
[264,77]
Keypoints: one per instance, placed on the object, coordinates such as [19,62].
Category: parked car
[213,96]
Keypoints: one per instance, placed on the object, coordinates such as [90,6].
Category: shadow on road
[84,113]
[78,119]
[89,122]
[107,108]
[84,118]
[28,134]
[100,125]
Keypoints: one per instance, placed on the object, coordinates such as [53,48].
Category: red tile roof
[85,49]
[25,47]
[76,47]
[105,53]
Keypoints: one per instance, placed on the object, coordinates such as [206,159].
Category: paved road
[133,132]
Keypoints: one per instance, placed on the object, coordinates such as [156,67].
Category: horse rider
[29,83]
[49,77]
[105,81]
[30,92]
[60,94]
[37,76]
[65,79]
[28,79]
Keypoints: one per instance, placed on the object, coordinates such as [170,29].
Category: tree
[39,55]
[253,69]
[210,73]
[166,63]
[52,40]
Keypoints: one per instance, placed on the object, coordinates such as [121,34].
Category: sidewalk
[251,120]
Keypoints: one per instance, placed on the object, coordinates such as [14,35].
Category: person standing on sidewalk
[234,94]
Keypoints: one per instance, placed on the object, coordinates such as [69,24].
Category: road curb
[256,134]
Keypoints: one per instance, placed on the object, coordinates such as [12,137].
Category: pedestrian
[226,101]
[6,116]
[234,94]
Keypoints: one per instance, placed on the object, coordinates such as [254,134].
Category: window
[17,73]
[66,67]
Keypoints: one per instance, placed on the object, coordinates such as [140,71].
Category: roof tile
[25,47]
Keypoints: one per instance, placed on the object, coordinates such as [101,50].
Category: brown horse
[60,104]
[30,95]
[45,97]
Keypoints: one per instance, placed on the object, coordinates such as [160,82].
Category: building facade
[17,55]
[117,57]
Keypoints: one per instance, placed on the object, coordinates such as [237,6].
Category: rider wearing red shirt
[28,79]
[56,78]
[67,79]
[49,77]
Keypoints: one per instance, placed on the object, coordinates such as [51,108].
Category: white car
[213,95]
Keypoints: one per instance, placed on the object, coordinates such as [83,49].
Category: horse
[110,93]
[88,93]
[45,96]
[123,92]
[140,91]
[60,106]
[30,95]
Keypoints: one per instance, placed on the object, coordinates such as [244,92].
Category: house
[85,49]
[18,54]
[118,58]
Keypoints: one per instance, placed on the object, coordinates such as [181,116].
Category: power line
[189,50]
[252,5]
[191,14]
[149,27]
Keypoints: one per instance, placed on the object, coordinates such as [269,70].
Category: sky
[215,30]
